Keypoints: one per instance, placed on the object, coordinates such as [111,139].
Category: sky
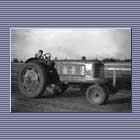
[72,43]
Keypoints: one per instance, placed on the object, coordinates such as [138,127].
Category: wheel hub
[30,80]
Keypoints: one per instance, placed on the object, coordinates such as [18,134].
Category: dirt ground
[73,101]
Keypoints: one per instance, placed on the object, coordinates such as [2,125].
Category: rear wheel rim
[30,80]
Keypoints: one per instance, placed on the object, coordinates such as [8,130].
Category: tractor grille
[99,70]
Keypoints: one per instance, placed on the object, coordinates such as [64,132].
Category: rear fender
[32,59]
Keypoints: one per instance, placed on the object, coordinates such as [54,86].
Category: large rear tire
[96,94]
[32,80]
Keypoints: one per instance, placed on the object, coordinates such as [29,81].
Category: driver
[39,54]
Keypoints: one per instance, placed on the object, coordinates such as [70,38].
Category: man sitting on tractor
[39,54]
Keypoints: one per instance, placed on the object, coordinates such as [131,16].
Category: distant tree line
[16,60]
[116,60]
[109,59]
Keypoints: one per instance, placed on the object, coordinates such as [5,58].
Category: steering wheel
[47,56]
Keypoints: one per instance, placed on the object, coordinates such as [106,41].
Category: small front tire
[96,94]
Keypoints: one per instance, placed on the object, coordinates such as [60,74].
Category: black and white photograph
[71,70]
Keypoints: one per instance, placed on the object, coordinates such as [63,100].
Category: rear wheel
[32,79]
[96,94]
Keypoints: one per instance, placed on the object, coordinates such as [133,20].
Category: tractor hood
[75,71]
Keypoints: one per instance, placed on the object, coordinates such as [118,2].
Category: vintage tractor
[43,75]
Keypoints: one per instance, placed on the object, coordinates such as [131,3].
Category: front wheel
[96,94]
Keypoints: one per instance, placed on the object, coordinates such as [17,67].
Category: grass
[72,101]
